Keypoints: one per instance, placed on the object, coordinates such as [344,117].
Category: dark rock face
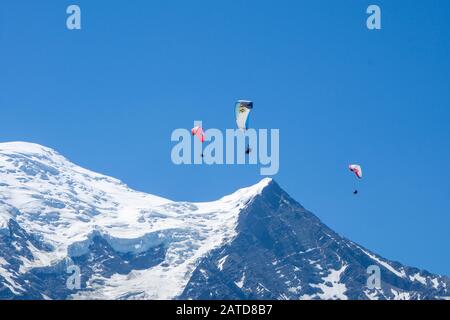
[282,251]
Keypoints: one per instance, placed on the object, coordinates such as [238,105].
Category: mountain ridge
[257,243]
[310,260]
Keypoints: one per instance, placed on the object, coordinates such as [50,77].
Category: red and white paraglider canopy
[356,169]
[198,131]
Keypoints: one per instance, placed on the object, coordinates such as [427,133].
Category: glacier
[68,206]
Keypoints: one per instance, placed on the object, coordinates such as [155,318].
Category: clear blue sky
[108,97]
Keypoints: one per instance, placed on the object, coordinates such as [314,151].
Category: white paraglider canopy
[242,110]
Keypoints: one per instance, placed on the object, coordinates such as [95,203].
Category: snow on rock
[400,274]
[221,262]
[398,295]
[332,288]
[435,283]
[419,278]
[241,282]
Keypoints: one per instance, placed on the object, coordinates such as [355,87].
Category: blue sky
[108,97]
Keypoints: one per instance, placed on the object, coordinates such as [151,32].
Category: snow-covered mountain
[257,243]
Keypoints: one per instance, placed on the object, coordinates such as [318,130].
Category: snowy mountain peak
[71,208]
[283,251]
[255,243]
[26,148]
[245,194]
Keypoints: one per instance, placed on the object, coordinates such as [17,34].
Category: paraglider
[242,111]
[357,170]
[199,133]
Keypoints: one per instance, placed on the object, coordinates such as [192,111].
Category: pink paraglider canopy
[198,131]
